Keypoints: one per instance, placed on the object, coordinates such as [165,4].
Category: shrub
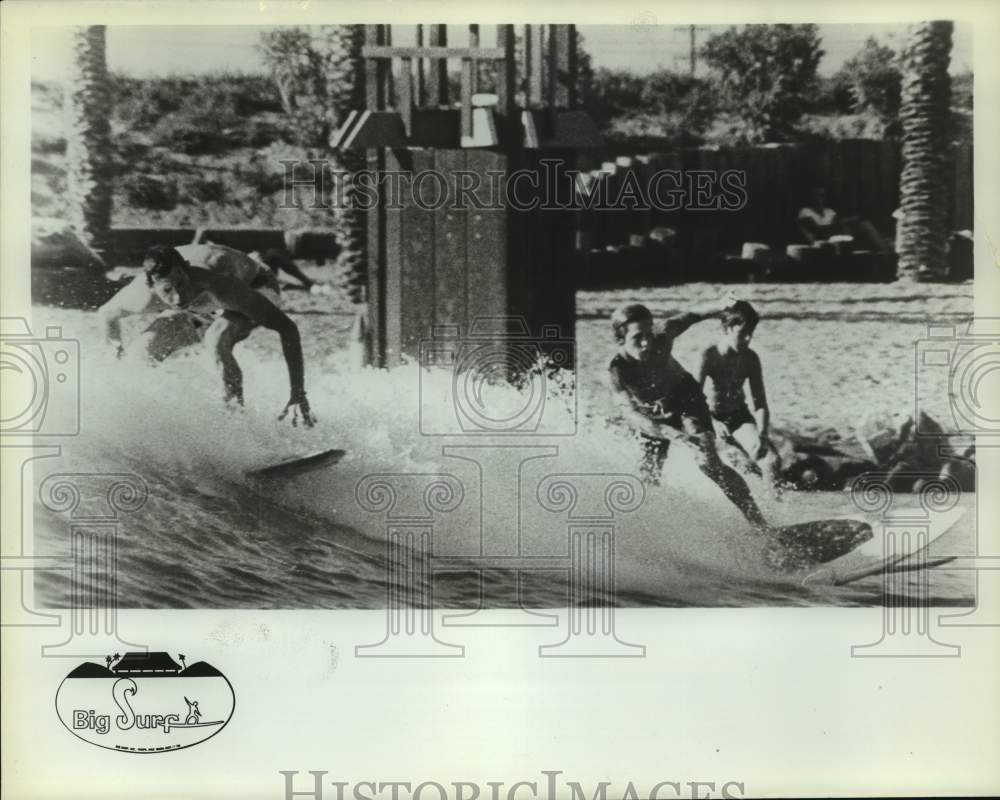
[204,190]
[198,135]
[767,74]
[148,191]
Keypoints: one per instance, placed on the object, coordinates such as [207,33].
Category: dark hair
[740,315]
[634,312]
[161,260]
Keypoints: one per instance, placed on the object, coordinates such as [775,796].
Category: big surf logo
[145,702]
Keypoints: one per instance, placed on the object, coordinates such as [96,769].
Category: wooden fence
[861,178]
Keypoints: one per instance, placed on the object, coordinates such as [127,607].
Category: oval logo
[145,702]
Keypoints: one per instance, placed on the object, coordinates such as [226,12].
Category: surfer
[212,294]
[664,403]
[725,368]
[193,715]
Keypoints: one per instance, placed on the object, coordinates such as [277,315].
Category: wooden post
[434,263]
[474,43]
[563,76]
[406,94]
[438,89]
[375,70]
[421,89]
[508,78]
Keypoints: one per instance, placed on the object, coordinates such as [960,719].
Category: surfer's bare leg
[767,464]
[224,334]
[654,453]
[729,480]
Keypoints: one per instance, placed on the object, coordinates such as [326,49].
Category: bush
[875,82]
[148,191]
[193,135]
[204,190]
[767,74]
[141,103]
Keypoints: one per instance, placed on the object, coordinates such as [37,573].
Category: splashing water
[211,537]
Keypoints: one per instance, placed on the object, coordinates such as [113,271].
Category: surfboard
[900,555]
[796,547]
[296,465]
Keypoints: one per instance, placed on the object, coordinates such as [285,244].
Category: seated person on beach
[726,367]
[664,404]
[818,222]
[212,294]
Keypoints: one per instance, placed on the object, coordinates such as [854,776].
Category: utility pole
[692,57]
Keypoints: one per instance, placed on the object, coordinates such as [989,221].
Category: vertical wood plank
[393,293]
[390,92]
[507,82]
[421,88]
[438,90]
[418,256]
[374,70]
[376,270]
[467,80]
[450,250]
[406,94]
[529,64]
[535,81]
[474,42]
[487,245]
[562,66]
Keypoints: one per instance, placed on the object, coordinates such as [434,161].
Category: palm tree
[88,145]
[924,191]
[181,656]
[343,69]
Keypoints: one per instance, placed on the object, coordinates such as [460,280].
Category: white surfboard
[297,465]
[898,555]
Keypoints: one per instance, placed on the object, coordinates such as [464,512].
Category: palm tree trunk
[344,70]
[88,146]
[924,190]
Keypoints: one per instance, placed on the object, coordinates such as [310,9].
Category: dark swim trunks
[736,419]
[688,413]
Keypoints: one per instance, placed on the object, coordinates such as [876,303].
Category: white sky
[165,50]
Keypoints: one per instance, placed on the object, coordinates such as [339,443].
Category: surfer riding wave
[212,294]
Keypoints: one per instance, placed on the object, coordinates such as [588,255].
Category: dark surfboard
[912,553]
[298,464]
[808,544]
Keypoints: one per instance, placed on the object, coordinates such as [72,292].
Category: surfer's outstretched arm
[261,311]
[675,326]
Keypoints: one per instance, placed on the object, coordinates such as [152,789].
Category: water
[210,537]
